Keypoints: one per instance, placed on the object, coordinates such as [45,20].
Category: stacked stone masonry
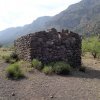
[50,46]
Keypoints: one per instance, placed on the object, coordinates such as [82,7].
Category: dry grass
[89,61]
[25,66]
[5,52]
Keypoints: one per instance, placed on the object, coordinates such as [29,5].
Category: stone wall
[50,46]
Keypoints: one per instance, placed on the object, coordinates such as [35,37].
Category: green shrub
[48,70]
[92,45]
[85,47]
[62,68]
[37,64]
[51,64]
[14,71]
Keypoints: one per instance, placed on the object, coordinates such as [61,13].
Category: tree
[92,45]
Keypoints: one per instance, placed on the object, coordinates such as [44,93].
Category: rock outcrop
[50,46]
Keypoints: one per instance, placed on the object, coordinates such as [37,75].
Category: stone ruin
[50,46]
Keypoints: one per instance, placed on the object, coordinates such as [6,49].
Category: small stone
[13,94]
[51,96]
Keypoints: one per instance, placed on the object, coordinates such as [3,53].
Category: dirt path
[37,86]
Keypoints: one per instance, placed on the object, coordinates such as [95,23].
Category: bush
[37,64]
[51,64]
[48,70]
[62,68]
[92,45]
[14,71]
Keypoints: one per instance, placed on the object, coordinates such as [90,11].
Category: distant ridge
[82,17]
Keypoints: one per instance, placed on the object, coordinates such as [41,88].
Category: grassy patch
[12,58]
[48,70]
[25,66]
[14,72]
[62,68]
[5,52]
[6,58]
[37,64]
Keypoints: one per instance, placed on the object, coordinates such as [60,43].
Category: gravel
[37,86]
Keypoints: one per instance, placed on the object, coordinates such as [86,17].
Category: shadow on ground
[90,73]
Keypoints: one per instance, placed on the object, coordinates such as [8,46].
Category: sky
[20,12]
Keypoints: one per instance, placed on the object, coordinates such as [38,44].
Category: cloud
[20,12]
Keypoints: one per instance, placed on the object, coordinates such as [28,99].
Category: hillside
[82,17]
[9,35]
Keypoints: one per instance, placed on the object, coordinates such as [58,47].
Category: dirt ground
[37,86]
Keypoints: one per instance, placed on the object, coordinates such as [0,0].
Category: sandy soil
[37,86]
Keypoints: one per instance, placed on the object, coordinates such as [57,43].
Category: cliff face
[50,46]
